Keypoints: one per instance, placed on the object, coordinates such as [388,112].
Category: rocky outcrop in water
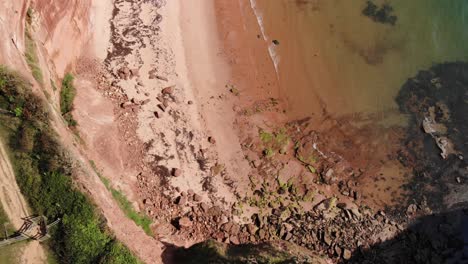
[436,101]
[383,15]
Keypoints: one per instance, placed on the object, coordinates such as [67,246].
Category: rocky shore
[303,186]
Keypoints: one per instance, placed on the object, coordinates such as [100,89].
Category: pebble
[168,90]
[197,198]
[176,172]
[185,222]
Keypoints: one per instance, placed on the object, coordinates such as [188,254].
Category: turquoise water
[334,63]
[333,56]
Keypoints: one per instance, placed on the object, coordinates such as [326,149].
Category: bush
[43,175]
[67,95]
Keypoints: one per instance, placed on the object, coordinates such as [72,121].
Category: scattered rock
[204,207]
[176,172]
[326,204]
[168,90]
[162,107]
[190,102]
[162,78]
[197,198]
[182,200]
[234,240]
[156,114]
[134,72]
[126,104]
[346,254]
[211,140]
[164,229]
[145,101]
[251,228]
[124,73]
[327,239]
[157,19]
[328,176]
[185,222]
[412,208]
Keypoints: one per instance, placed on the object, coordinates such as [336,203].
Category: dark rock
[211,140]
[168,90]
[158,19]
[176,172]
[162,107]
[181,200]
[162,78]
[145,101]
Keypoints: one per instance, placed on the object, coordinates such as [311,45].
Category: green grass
[140,219]
[44,174]
[274,142]
[67,96]
[31,50]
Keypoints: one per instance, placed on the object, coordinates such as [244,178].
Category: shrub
[67,95]
[43,174]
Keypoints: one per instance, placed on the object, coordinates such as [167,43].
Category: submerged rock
[436,101]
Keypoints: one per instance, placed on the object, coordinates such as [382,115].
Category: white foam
[275,57]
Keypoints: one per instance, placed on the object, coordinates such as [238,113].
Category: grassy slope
[43,172]
[31,50]
[67,95]
[140,219]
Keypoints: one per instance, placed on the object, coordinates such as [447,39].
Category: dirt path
[16,208]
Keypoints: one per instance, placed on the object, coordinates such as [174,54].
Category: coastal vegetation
[140,219]
[67,95]
[31,49]
[43,171]
[274,142]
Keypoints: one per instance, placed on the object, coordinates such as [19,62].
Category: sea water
[330,56]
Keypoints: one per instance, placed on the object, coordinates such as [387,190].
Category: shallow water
[333,61]
[330,55]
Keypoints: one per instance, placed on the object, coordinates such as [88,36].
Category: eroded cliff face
[12,17]
[61,29]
